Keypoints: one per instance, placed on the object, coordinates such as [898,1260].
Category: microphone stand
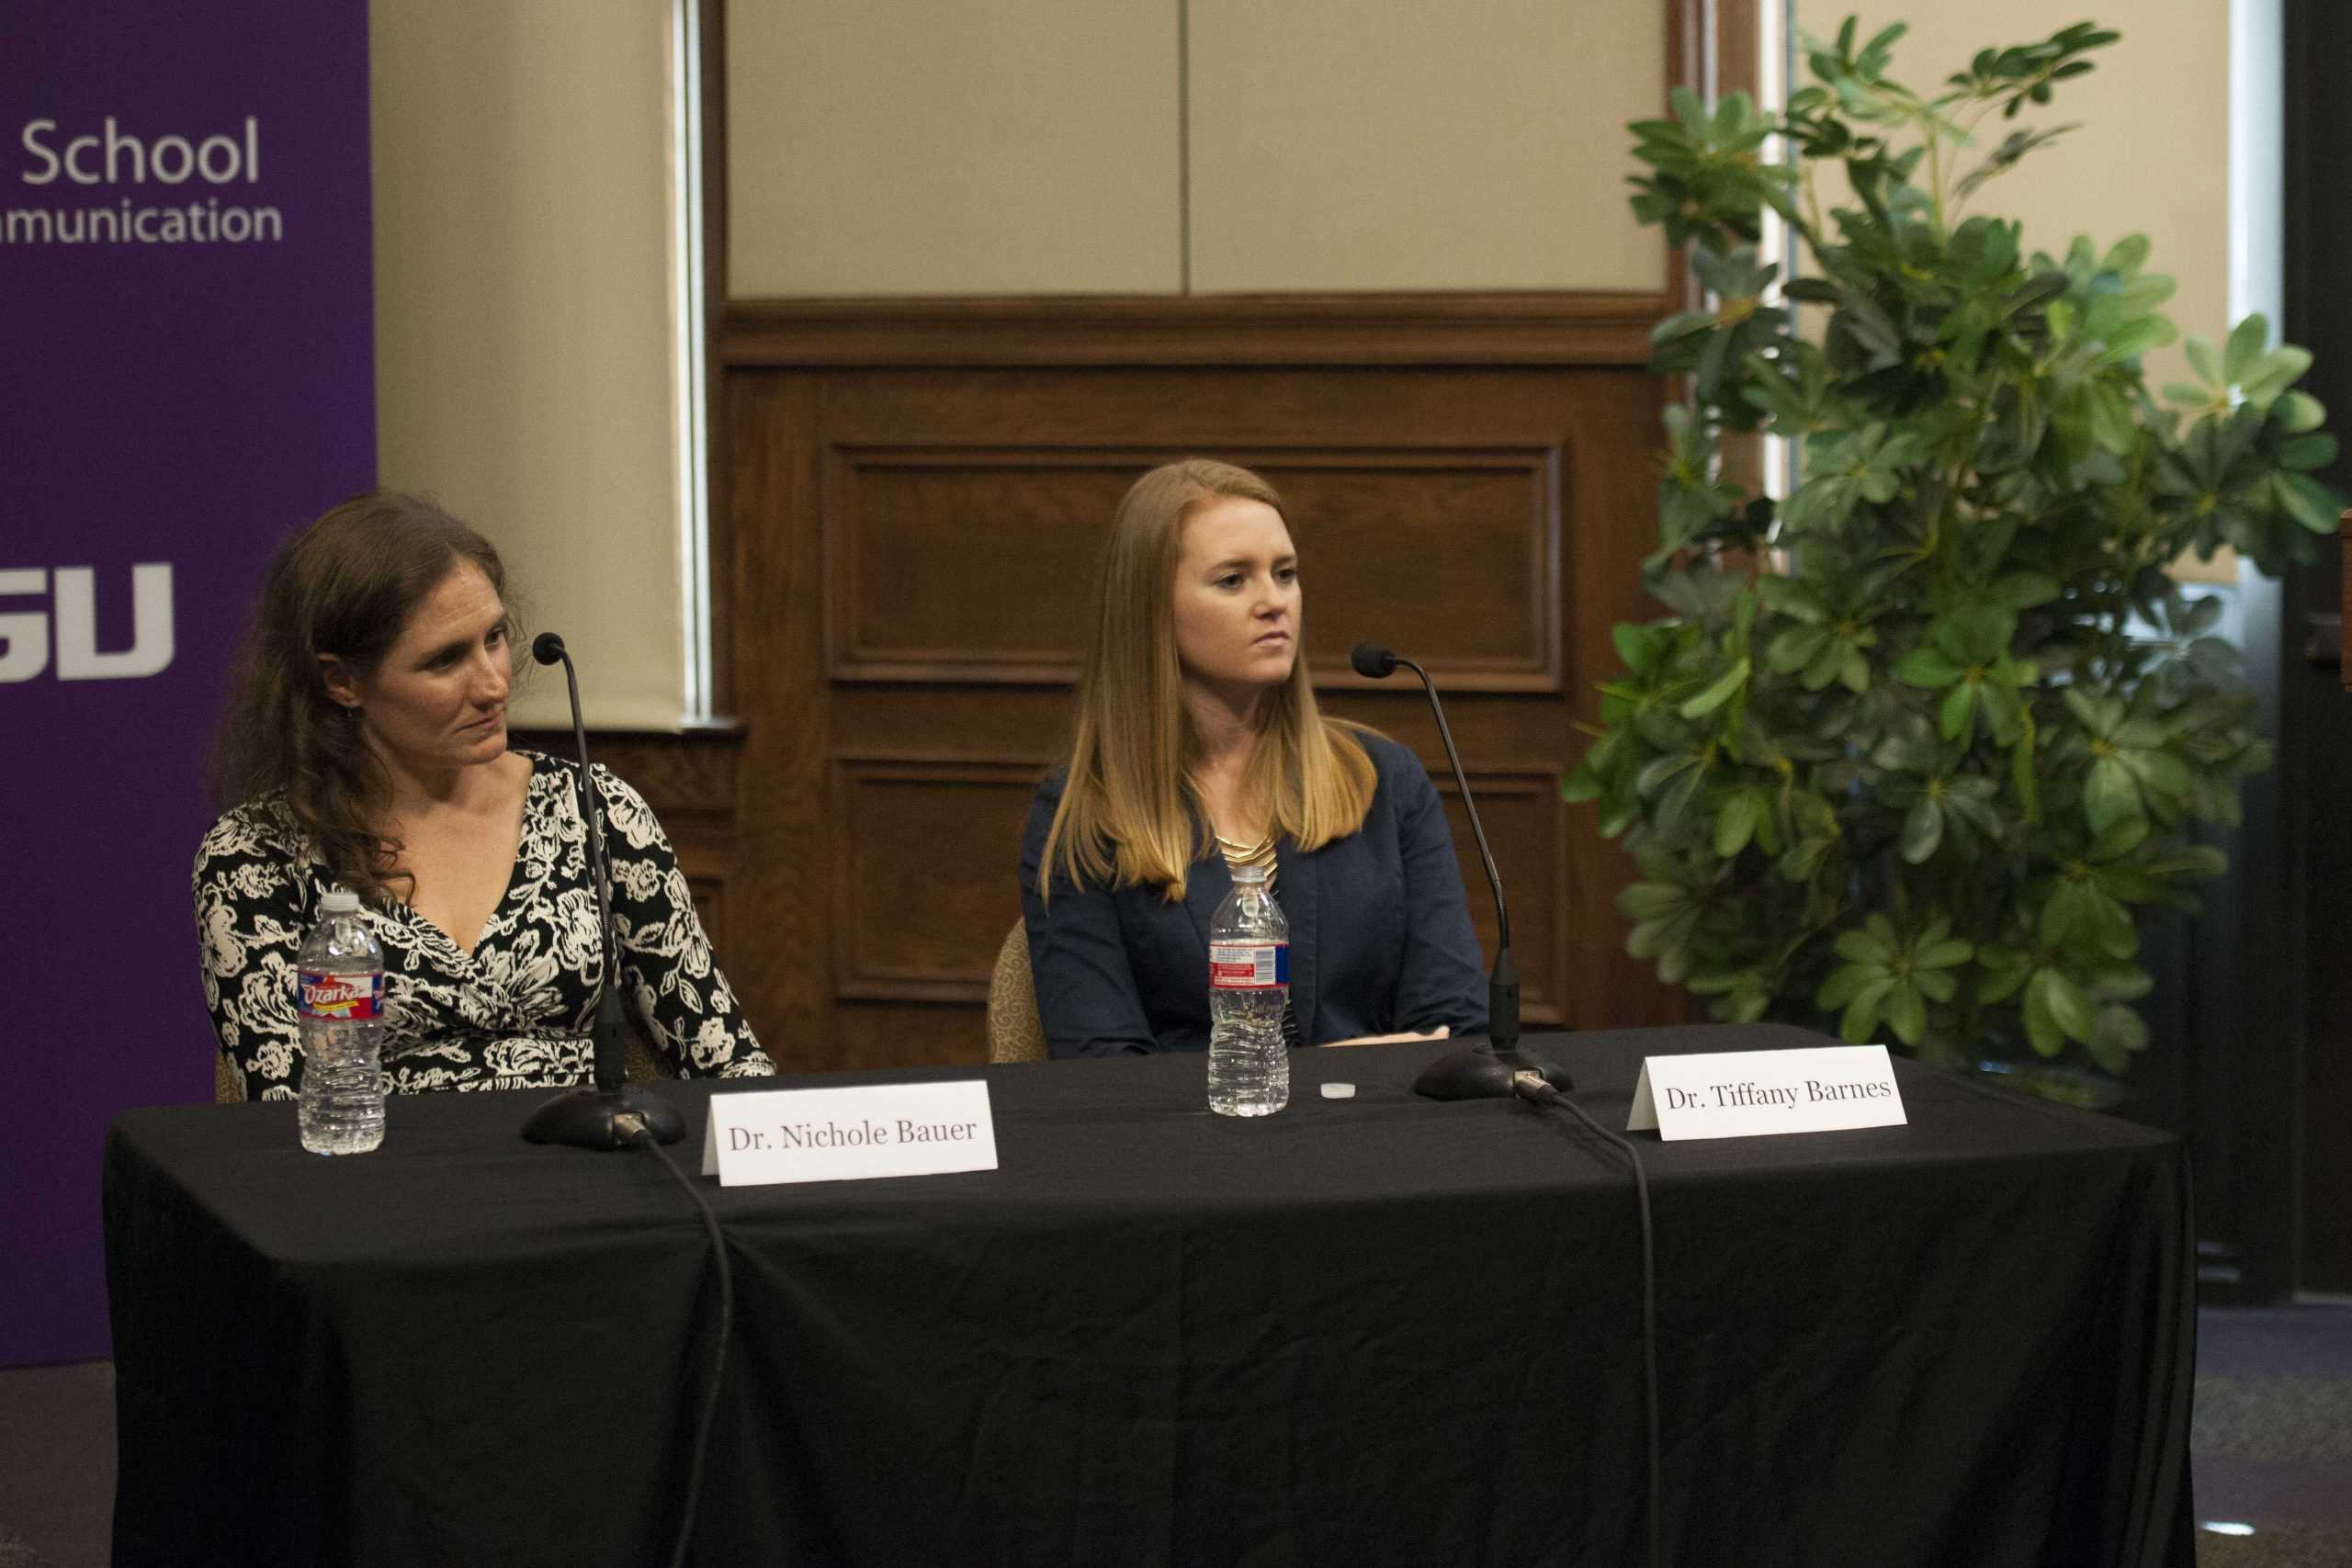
[1482,1071]
[613,1114]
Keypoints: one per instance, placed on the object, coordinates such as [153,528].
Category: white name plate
[1737,1094]
[849,1134]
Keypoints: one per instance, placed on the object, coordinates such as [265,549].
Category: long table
[1366,1331]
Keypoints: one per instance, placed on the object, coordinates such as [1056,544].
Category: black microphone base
[1481,1072]
[605,1119]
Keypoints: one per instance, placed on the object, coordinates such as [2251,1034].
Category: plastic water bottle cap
[340,901]
[1338,1091]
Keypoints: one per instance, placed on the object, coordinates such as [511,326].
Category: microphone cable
[642,1137]
[1531,1087]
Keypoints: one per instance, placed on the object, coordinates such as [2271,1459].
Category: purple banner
[186,373]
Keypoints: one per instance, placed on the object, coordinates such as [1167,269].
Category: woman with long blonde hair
[1198,746]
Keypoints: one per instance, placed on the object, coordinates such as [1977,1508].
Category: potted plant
[1920,743]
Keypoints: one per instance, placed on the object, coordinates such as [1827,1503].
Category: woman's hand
[1442,1031]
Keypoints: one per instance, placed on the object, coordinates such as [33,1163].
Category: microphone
[612,1115]
[1483,1071]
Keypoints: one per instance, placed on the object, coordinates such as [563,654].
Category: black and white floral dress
[515,1012]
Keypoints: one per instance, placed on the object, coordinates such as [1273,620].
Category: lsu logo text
[25,634]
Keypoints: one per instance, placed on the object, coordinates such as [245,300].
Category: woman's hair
[1129,813]
[345,585]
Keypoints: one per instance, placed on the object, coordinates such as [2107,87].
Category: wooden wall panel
[1023,526]
[919,896]
[1526,827]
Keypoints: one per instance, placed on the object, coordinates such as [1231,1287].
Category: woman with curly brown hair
[365,745]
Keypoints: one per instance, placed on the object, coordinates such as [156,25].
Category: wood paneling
[918,890]
[1263,329]
[1023,527]
[1526,827]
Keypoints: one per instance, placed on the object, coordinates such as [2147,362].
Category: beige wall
[522,341]
[1037,146]
[952,147]
[1380,144]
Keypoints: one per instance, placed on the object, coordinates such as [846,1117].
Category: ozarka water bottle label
[354,998]
[1248,965]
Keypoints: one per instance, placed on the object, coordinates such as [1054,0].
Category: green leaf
[2022,780]
[2111,925]
[1637,647]
[2118,838]
[2309,502]
[2068,1006]
[1862,1013]
[1662,772]
[1923,666]
[2316,450]
[2004,712]
[1717,694]
[2160,773]
[2004,969]
[2109,794]
[1803,859]
[2201,360]
[1959,712]
[2244,347]
[1674,805]
[1844,984]
[2022,589]
[1796,648]
[1907,1013]
[1923,829]
[2061,913]
[2298,412]
[1862,945]
[1652,900]
[1735,823]
[2119,1030]
[2055,1011]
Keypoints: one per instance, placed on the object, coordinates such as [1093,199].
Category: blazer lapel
[1294,890]
[1206,882]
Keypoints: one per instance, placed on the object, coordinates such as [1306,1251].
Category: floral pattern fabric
[513,1013]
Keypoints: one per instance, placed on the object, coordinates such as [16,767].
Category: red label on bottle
[354,998]
[1248,965]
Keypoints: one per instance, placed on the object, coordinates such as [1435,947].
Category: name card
[849,1134]
[1737,1094]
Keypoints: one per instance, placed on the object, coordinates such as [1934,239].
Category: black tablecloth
[1380,1330]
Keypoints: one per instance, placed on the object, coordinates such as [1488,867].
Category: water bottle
[1249,987]
[339,996]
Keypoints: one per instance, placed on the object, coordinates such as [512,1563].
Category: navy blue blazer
[1380,940]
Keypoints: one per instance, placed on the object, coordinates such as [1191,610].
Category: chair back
[1015,1035]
